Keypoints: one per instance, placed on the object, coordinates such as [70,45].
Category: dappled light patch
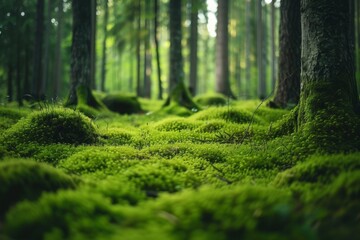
[26,179]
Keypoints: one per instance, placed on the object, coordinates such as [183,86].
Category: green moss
[238,212]
[175,109]
[121,103]
[25,179]
[9,116]
[211,99]
[65,215]
[319,169]
[229,114]
[117,136]
[211,126]
[175,124]
[51,126]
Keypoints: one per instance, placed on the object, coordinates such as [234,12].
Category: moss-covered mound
[9,116]
[246,212]
[229,114]
[319,169]
[123,104]
[211,99]
[56,125]
[65,215]
[25,179]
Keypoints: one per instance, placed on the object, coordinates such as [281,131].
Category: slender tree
[194,46]
[222,50]
[147,53]
[80,86]
[247,49]
[103,60]
[156,40]
[179,94]
[329,101]
[58,56]
[38,51]
[288,83]
[138,51]
[260,48]
[93,44]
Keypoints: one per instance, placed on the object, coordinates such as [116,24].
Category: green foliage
[50,126]
[9,116]
[121,103]
[25,179]
[211,99]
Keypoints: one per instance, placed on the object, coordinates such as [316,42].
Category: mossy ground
[236,171]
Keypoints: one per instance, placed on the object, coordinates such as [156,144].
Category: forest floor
[225,172]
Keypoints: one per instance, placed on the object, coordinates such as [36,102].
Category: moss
[175,109]
[230,114]
[25,179]
[211,99]
[319,169]
[239,212]
[211,126]
[54,153]
[117,136]
[51,126]
[9,116]
[175,124]
[65,215]
[121,103]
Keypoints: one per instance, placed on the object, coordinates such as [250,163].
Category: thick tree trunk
[80,86]
[222,50]
[38,51]
[156,40]
[103,60]
[288,84]
[328,102]
[58,57]
[179,94]
[194,47]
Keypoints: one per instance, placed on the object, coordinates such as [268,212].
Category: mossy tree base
[180,95]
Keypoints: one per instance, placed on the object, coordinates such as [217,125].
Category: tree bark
[194,47]
[103,60]
[156,40]
[222,50]
[10,81]
[327,71]
[147,54]
[138,53]
[80,86]
[261,80]
[247,49]
[273,48]
[179,94]
[93,45]
[288,83]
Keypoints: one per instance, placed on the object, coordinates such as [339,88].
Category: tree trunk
[328,102]
[138,53]
[103,60]
[273,57]
[58,56]
[19,94]
[147,55]
[194,47]
[247,49]
[10,81]
[288,83]
[80,86]
[93,45]
[261,80]
[38,51]
[156,40]
[45,61]
[179,94]
[222,50]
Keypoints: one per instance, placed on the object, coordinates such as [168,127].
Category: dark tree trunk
[38,51]
[222,50]
[58,58]
[19,94]
[247,50]
[288,83]
[103,60]
[10,81]
[147,55]
[329,100]
[80,87]
[45,61]
[261,81]
[194,47]
[273,48]
[156,40]
[179,94]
